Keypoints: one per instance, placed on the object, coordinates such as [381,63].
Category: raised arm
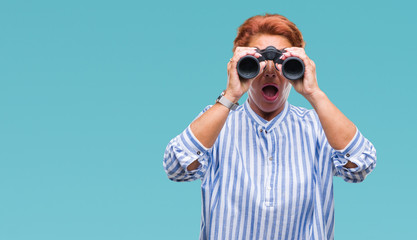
[339,130]
[206,128]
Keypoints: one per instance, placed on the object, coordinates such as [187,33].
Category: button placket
[273,162]
[269,165]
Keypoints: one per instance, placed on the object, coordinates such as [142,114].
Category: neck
[268,116]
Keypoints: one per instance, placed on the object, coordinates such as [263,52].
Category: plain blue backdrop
[91,92]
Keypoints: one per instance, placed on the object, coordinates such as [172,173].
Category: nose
[270,75]
[269,70]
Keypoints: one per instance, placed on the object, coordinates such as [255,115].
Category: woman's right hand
[235,87]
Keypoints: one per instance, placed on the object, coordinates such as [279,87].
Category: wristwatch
[226,102]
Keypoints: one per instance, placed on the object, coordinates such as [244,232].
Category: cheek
[286,89]
[253,87]
[251,92]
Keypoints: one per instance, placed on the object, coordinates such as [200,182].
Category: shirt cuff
[351,152]
[193,149]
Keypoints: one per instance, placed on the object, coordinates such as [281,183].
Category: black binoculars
[292,68]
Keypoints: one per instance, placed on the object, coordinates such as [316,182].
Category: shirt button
[198,153]
[261,130]
[270,158]
[347,155]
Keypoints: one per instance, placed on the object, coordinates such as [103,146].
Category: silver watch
[226,102]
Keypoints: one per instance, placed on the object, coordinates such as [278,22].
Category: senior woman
[267,166]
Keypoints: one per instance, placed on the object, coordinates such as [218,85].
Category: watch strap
[226,102]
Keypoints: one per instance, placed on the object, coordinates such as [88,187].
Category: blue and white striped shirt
[268,180]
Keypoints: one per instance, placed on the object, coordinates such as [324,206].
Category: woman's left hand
[307,86]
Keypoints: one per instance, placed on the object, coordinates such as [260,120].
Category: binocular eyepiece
[292,68]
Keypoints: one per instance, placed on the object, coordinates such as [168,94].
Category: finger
[313,65]
[243,48]
[230,63]
[289,52]
[239,50]
[238,55]
[279,66]
[296,52]
[285,56]
[247,50]
[262,66]
[293,54]
[300,53]
[293,48]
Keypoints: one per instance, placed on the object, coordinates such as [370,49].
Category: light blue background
[91,92]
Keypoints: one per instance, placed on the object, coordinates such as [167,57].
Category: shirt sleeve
[181,152]
[359,151]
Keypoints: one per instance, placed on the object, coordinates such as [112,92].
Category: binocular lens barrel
[248,67]
[293,68]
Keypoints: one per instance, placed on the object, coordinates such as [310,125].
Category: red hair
[273,24]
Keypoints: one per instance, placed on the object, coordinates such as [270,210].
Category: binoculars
[292,68]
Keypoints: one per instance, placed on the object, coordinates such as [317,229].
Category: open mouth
[270,92]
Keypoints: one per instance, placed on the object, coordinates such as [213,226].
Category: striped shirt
[268,179]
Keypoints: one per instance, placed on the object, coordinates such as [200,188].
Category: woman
[267,166]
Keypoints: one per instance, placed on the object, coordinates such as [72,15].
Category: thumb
[262,66]
[279,67]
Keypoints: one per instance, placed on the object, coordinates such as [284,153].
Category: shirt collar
[267,125]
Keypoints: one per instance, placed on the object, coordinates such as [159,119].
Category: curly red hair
[273,24]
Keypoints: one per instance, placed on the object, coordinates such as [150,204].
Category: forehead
[262,41]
